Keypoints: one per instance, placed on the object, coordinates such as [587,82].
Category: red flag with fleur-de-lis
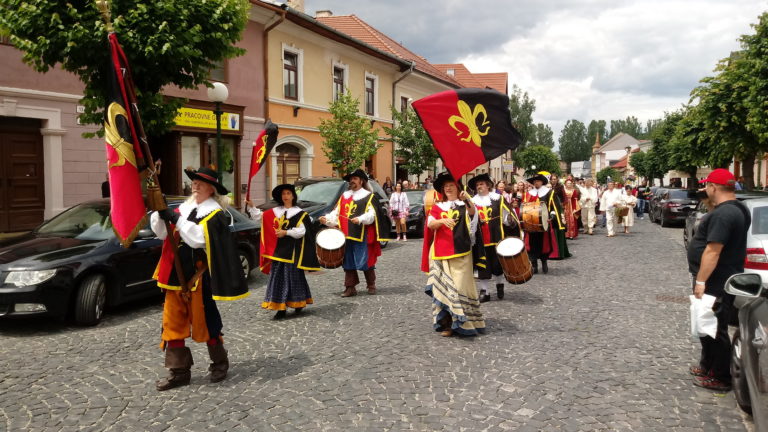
[124,156]
[468,127]
[262,146]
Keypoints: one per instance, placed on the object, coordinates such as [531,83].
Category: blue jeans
[640,207]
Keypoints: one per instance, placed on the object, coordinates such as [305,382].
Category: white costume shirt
[190,232]
[485,201]
[297,232]
[367,218]
[588,197]
[610,198]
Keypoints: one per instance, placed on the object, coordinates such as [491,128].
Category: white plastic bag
[703,319]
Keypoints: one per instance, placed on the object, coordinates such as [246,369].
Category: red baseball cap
[720,176]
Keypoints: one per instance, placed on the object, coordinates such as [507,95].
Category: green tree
[348,139]
[540,157]
[650,125]
[573,143]
[605,173]
[521,107]
[639,162]
[688,130]
[412,142]
[595,128]
[543,136]
[631,125]
[166,42]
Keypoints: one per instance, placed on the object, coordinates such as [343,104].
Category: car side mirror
[146,233]
[748,285]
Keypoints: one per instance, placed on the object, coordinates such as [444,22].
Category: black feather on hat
[277,193]
[209,176]
[480,178]
[357,173]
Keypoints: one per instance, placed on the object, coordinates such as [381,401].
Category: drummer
[494,227]
[287,250]
[359,216]
[541,244]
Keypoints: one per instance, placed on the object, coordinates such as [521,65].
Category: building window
[291,75]
[404,104]
[219,72]
[338,82]
[370,95]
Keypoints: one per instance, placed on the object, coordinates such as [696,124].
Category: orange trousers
[183,319]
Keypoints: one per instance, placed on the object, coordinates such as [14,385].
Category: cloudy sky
[579,59]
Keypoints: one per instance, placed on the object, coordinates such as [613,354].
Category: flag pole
[155,198]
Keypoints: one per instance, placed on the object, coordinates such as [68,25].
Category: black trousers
[716,352]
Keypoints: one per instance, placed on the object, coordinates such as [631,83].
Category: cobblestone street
[600,343]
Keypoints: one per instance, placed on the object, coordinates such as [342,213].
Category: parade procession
[324,215]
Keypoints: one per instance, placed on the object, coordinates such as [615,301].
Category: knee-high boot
[544,268]
[179,362]
[370,280]
[220,362]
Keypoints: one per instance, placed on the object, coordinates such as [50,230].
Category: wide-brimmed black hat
[357,173]
[442,179]
[277,193]
[479,178]
[541,177]
[209,176]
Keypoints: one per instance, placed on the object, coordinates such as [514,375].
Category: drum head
[330,239]
[509,247]
[544,218]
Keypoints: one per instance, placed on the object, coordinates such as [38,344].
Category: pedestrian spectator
[628,200]
[588,202]
[398,211]
[641,202]
[608,201]
[740,183]
[105,187]
[716,252]
[406,185]
[500,186]
[387,186]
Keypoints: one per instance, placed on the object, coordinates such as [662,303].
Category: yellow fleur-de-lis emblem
[485,213]
[451,214]
[262,150]
[350,209]
[123,148]
[281,223]
[469,118]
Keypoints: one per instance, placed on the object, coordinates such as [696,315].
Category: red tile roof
[359,29]
[497,81]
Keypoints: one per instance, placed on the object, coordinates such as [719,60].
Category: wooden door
[22,190]
[288,164]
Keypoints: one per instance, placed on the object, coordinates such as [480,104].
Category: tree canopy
[543,136]
[166,43]
[521,107]
[538,158]
[574,145]
[348,138]
[412,142]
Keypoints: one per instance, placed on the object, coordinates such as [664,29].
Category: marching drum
[535,217]
[330,247]
[514,260]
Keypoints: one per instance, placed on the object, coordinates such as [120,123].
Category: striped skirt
[452,287]
[287,287]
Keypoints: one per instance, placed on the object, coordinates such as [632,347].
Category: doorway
[22,188]
[288,159]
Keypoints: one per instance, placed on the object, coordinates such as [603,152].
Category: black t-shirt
[727,224]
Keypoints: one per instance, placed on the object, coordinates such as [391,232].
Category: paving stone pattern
[601,343]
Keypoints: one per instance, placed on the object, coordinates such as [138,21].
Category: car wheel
[740,388]
[663,221]
[91,299]
[245,263]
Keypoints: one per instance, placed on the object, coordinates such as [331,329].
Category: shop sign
[206,119]
[508,166]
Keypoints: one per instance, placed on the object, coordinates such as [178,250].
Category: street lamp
[218,94]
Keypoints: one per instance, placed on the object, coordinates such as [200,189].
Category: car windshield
[83,222]
[678,194]
[320,192]
[415,197]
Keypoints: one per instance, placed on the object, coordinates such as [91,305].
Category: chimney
[297,5]
[323,13]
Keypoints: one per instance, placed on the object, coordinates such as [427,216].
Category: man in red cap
[716,252]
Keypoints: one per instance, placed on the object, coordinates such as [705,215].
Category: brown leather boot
[349,291]
[220,363]
[370,281]
[179,362]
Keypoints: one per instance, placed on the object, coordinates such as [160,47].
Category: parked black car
[319,195]
[416,217]
[749,359]
[672,205]
[74,266]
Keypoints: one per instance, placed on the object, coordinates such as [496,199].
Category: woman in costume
[559,224]
[628,200]
[571,209]
[211,271]
[447,256]
[398,211]
[543,245]
[287,250]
